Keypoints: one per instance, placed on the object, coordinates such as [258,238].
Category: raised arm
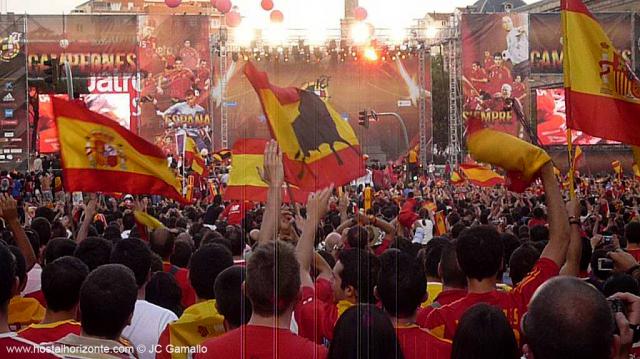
[559,236]
[574,253]
[89,212]
[9,209]
[316,209]
[273,174]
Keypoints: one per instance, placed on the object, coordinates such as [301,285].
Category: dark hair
[128,221]
[456,229]
[58,230]
[94,252]
[539,234]
[7,276]
[134,254]
[620,283]
[44,213]
[432,255]
[632,232]
[401,283]
[484,333]
[161,242]
[360,270]
[58,247]
[510,242]
[107,299]
[480,250]
[273,278]
[538,213]
[452,275]
[215,237]
[585,255]
[568,318]
[34,241]
[358,237]
[112,233]
[42,226]
[206,263]
[230,300]
[21,265]
[61,282]
[163,290]
[364,331]
[522,261]
[236,241]
[182,252]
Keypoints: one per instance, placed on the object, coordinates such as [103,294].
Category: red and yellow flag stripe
[481,176]
[99,155]
[598,81]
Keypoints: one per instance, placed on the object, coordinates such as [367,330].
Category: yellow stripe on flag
[244,171]
[147,220]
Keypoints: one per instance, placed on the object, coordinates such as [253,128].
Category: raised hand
[272,172]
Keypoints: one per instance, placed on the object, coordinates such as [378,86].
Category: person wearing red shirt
[61,282]
[519,90]
[454,283]
[203,76]
[267,334]
[499,75]
[162,243]
[189,55]
[351,281]
[20,347]
[480,254]
[401,288]
[234,213]
[478,77]
[632,235]
[180,80]
[487,61]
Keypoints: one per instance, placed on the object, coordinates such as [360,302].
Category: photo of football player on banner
[495,63]
[175,75]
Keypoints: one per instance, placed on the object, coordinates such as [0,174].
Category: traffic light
[52,72]
[363,119]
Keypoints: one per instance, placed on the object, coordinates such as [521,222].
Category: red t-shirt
[445,297]
[45,333]
[419,343]
[537,222]
[443,321]
[317,313]
[180,81]
[234,212]
[182,277]
[21,348]
[498,76]
[635,253]
[39,296]
[479,78]
[258,342]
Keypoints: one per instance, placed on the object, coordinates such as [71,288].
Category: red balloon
[266,5]
[224,6]
[276,16]
[172,3]
[233,19]
[360,13]
[213,3]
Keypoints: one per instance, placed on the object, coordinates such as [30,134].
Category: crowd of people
[355,272]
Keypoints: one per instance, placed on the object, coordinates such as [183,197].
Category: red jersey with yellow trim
[180,81]
[39,296]
[52,332]
[182,277]
[443,298]
[14,347]
[443,321]
[419,343]
[317,313]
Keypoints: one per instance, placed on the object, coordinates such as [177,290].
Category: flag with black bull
[320,147]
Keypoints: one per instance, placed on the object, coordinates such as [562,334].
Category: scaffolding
[454,66]
[224,120]
[422,108]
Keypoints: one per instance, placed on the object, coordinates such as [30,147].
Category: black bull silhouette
[314,127]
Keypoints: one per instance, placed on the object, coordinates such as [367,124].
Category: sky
[298,14]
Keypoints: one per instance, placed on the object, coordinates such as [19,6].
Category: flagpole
[184,153]
[572,191]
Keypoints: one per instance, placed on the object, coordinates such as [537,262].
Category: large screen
[552,121]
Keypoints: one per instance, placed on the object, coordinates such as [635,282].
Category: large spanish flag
[481,176]
[99,155]
[193,158]
[601,91]
[245,183]
[456,178]
[617,167]
[319,147]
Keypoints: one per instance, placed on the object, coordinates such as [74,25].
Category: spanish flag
[222,155]
[319,147]
[441,224]
[636,172]
[598,81]
[481,176]
[193,157]
[520,159]
[144,222]
[245,183]
[617,167]
[99,155]
[578,158]
[456,178]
